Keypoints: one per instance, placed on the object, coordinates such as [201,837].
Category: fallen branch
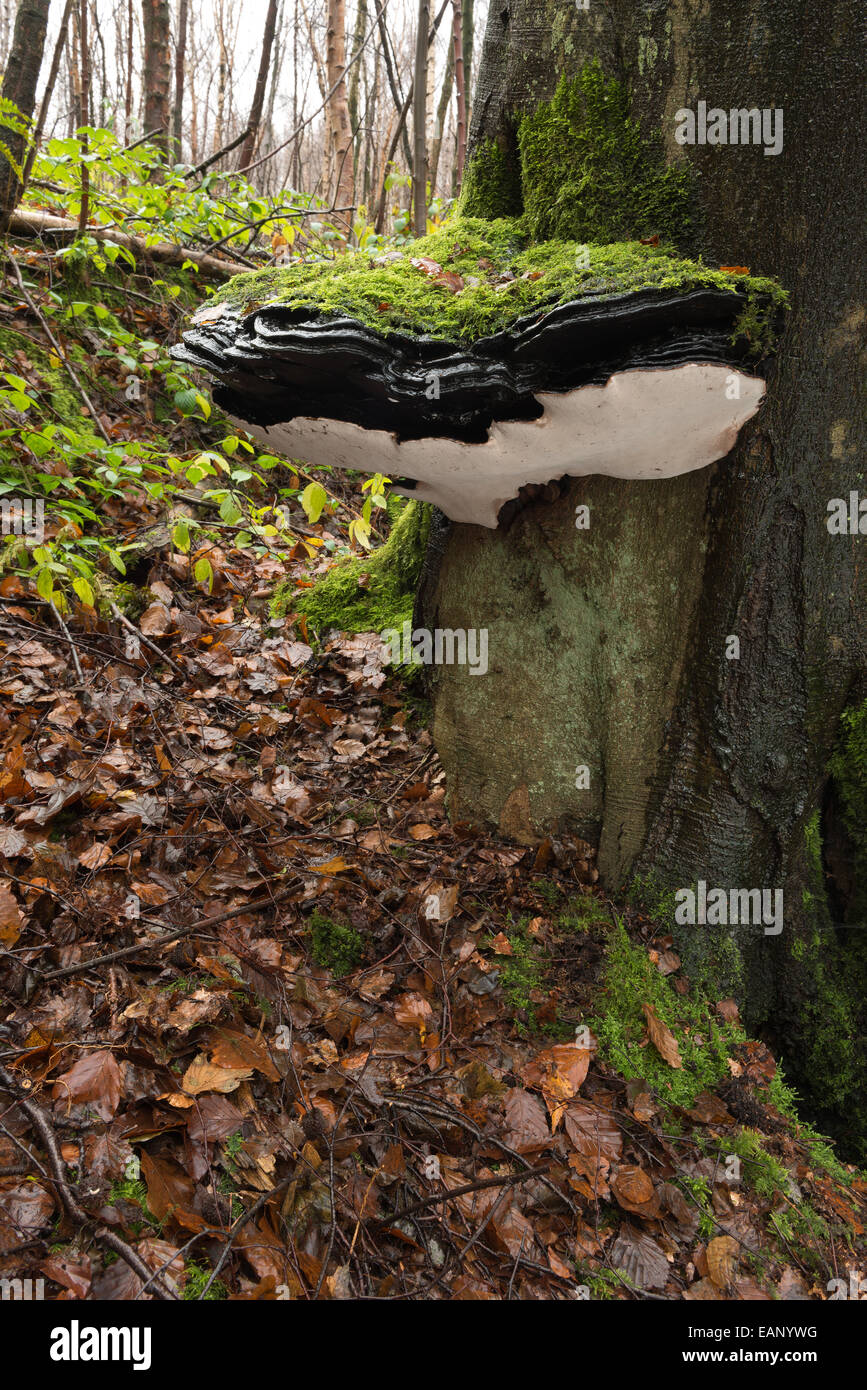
[41,1123]
[166,938]
[29,222]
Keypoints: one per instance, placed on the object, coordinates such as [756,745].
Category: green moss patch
[336,946]
[848,767]
[506,275]
[587,171]
[704,1042]
[371,592]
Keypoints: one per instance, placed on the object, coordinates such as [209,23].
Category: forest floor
[273,1027]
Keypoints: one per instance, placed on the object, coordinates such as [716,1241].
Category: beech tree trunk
[419,121]
[255,119]
[180,64]
[157,70]
[609,647]
[19,87]
[343,186]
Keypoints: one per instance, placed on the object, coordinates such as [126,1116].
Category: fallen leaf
[202,1075]
[95,1079]
[11,924]
[722,1260]
[422,831]
[662,1037]
[528,1125]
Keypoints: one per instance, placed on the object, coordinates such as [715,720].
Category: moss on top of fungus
[505,276]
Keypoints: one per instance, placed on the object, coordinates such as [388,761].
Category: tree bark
[343,189]
[180,64]
[157,70]
[19,87]
[419,121]
[608,647]
[50,83]
[460,91]
[249,146]
[441,120]
[355,86]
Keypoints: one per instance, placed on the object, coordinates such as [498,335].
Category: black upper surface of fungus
[280,362]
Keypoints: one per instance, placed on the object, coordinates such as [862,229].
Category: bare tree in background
[127,105]
[337,109]
[19,87]
[249,146]
[441,119]
[180,62]
[50,84]
[460,90]
[419,116]
[157,70]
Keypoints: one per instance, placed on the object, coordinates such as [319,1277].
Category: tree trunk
[355,86]
[610,647]
[127,104]
[419,121]
[467,18]
[19,88]
[48,93]
[338,106]
[441,121]
[248,148]
[157,70]
[460,91]
[180,63]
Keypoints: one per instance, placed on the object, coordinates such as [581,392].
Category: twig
[511,1178]
[57,348]
[167,937]
[151,646]
[44,1129]
[65,630]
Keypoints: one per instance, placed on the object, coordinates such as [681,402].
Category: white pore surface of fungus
[642,424]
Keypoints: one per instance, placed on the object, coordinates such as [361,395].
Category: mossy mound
[848,767]
[506,276]
[371,592]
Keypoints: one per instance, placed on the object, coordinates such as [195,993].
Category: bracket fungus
[637,376]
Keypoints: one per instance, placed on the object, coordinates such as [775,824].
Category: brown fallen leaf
[722,1260]
[593,1132]
[202,1075]
[11,924]
[528,1128]
[662,1037]
[639,1256]
[440,902]
[155,621]
[422,831]
[95,1079]
[634,1190]
[96,857]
